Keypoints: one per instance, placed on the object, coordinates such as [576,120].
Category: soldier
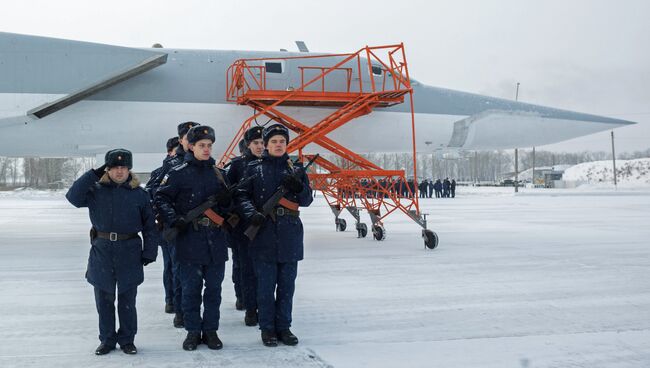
[452,188]
[168,163]
[278,246]
[168,272]
[242,268]
[119,209]
[445,188]
[201,242]
[438,188]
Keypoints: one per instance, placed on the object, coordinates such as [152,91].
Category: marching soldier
[168,272]
[168,163]
[119,209]
[278,246]
[243,274]
[201,242]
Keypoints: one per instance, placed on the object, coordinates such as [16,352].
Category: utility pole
[533,167]
[614,159]
[516,151]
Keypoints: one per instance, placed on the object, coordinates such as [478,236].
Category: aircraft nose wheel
[378,232]
[362,230]
[430,239]
[341,225]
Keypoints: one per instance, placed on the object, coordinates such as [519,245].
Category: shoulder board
[179,167]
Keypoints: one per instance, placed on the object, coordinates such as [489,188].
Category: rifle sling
[288,204]
[214,217]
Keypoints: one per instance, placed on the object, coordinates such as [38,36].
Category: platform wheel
[430,239]
[362,230]
[341,224]
[378,232]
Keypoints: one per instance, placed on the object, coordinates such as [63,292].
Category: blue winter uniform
[278,246]
[201,248]
[123,209]
[243,275]
[171,267]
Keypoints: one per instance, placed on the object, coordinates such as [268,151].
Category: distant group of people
[442,189]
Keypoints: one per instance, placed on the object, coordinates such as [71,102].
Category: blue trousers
[236,271]
[247,280]
[168,274]
[192,278]
[105,303]
[177,284]
[276,283]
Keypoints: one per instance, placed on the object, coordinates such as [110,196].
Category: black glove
[292,184]
[100,171]
[257,219]
[146,261]
[223,198]
[180,224]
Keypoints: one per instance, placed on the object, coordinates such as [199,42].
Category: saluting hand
[100,171]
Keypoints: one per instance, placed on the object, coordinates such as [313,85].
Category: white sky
[584,55]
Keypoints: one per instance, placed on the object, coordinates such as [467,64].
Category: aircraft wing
[70,70]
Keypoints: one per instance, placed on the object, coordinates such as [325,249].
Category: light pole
[614,159]
[517,151]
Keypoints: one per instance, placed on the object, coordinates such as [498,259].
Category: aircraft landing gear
[362,230]
[341,224]
[430,239]
[378,232]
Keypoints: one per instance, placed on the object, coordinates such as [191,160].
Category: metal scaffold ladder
[357,183]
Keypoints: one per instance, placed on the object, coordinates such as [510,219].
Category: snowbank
[630,173]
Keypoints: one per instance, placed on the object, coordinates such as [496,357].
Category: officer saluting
[119,209]
[242,269]
[200,243]
[278,245]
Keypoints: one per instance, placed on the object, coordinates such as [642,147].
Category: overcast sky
[590,56]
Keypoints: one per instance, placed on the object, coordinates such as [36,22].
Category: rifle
[269,206]
[171,233]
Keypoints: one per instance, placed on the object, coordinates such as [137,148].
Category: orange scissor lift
[357,183]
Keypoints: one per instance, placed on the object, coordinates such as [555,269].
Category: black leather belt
[283,211]
[116,236]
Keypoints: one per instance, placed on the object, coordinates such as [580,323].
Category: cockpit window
[376,70]
[273,67]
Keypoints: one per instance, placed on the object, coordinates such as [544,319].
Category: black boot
[269,338]
[239,305]
[288,338]
[251,318]
[169,308]
[212,340]
[192,340]
[129,349]
[104,349]
[179,322]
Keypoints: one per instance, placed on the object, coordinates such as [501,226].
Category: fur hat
[253,134]
[275,129]
[119,157]
[199,132]
[183,128]
[171,143]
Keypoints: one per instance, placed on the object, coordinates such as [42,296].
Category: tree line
[467,166]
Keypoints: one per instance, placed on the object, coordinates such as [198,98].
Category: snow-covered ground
[547,278]
[630,173]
